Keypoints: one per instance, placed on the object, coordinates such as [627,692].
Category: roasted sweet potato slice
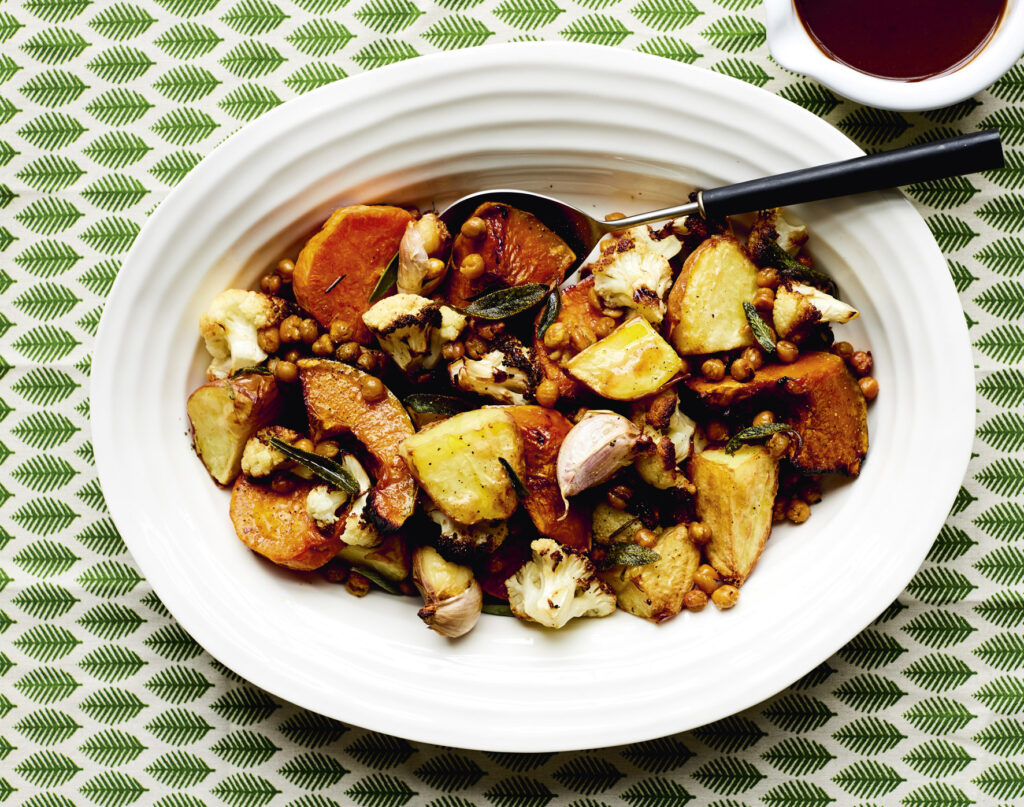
[543,431]
[579,319]
[335,405]
[820,400]
[277,526]
[355,244]
[516,247]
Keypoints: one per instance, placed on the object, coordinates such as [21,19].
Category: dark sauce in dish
[901,39]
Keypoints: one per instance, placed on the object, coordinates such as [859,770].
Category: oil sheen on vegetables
[906,40]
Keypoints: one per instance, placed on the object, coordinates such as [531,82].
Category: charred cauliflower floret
[505,374]
[633,271]
[557,585]
[798,308]
[781,226]
[358,529]
[412,329]
[231,326]
[461,543]
[322,503]
[261,459]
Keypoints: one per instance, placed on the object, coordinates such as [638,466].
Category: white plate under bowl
[616,131]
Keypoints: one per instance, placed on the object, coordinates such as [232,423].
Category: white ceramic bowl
[793,48]
[611,130]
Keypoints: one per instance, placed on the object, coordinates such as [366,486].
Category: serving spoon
[951,156]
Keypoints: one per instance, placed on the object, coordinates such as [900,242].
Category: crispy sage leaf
[379,580]
[387,280]
[257,369]
[628,554]
[513,477]
[426,403]
[497,608]
[759,328]
[755,434]
[329,470]
[552,308]
[791,267]
[505,303]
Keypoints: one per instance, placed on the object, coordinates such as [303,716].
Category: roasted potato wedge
[611,526]
[577,323]
[390,558]
[705,306]
[277,526]
[735,494]
[543,431]
[631,362]
[458,464]
[656,591]
[225,414]
[819,398]
[335,405]
[355,244]
[516,249]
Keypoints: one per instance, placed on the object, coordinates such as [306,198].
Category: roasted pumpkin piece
[631,362]
[459,464]
[335,405]
[390,558]
[224,414]
[817,396]
[543,431]
[655,591]
[493,570]
[277,525]
[705,306]
[356,245]
[575,328]
[516,248]
[735,494]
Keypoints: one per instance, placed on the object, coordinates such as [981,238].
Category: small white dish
[609,130]
[793,48]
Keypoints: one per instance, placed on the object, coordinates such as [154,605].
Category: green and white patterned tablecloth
[104,700]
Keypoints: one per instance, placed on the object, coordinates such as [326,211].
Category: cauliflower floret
[461,543]
[557,585]
[798,307]
[358,530]
[670,432]
[413,329]
[504,374]
[322,504]
[633,272]
[230,329]
[790,233]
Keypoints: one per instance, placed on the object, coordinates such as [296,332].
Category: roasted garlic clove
[452,597]
[593,450]
[422,255]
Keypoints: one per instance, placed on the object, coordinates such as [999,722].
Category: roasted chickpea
[334,574]
[367,361]
[286,372]
[304,444]
[371,389]
[717,432]
[645,538]
[357,585]
[861,362]
[475,347]
[270,284]
[779,510]
[547,393]
[604,326]
[754,357]
[741,370]
[798,511]
[706,578]
[472,266]
[292,355]
[282,483]
[556,336]
[713,369]
[767,278]
[489,330]
[810,491]
[869,386]
[595,298]
[323,346]
[580,339]
[452,351]
[349,351]
[435,267]
[474,227]
[843,350]
[699,532]
[786,351]
[695,600]
[327,448]
[269,339]
[289,329]
[616,216]
[725,597]
[340,331]
[285,270]
[778,445]
[764,299]
[764,418]
[309,331]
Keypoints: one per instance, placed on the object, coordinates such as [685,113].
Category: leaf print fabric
[105,701]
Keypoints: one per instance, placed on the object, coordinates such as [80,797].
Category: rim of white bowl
[392,699]
[792,47]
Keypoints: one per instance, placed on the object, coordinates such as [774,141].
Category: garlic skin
[593,450]
[452,597]
[425,240]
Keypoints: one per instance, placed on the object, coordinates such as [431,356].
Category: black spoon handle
[964,154]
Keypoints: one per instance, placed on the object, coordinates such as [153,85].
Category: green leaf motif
[943,194]
[936,794]
[1003,695]
[528,15]
[938,585]
[112,663]
[666,15]
[1004,609]
[53,88]
[44,601]
[380,751]
[869,736]
[728,775]
[1004,477]
[937,758]
[1011,175]
[938,715]
[1005,432]
[457,31]
[44,516]
[8,68]
[173,643]
[873,127]
[185,126]
[389,16]
[47,769]
[52,131]
[869,693]
[252,59]
[735,34]
[112,747]
[46,301]
[46,642]
[112,235]
[658,756]
[1004,388]
[938,672]
[1004,566]
[122,21]
[179,727]
[179,770]
[109,578]
[1004,651]
[1003,213]
[55,45]
[100,278]
[47,685]
[56,11]
[90,322]
[798,713]
[515,791]
[49,799]
[244,748]
[1003,737]
[312,771]
[245,706]
[311,730]
[249,101]
[102,537]
[118,107]
[797,793]
[1004,344]
[187,40]
[669,47]
[448,772]
[871,649]
[1004,780]
[121,64]
[9,26]
[1010,88]
[254,17]
[44,558]
[186,83]
[951,543]
[798,756]
[47,727]
[868,779]
[244,790]
[117,149]
[731,734]
[112,789]
[6,239]
[743,70]
[321,6]
[950,233]
[811,96]
[962,278]
[112,706]
[383,52]
[50,174]
[179,684]
[49,215]
[188,8]
[115,192]
[7,112]
[314,75]
[110,621]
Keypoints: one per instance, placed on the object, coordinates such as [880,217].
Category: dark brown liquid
[901,39]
